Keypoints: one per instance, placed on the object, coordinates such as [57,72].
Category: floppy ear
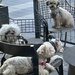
[41,49]
[47,3]
[58,4]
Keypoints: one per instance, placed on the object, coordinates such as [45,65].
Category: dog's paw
[53,26]
[57,27]
[68,26]
[49,67]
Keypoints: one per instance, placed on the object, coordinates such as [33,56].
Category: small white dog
[60,16]
[23,65]
[9,33]
[53,46]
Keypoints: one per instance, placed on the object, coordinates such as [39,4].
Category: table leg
[71,70]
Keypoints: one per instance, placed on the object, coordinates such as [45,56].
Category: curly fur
[47,50]
[10,31]
[19,65]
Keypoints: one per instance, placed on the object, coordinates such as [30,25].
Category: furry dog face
[9,32]
[52,4]
[45,51]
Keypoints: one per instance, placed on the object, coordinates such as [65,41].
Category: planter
[4,16]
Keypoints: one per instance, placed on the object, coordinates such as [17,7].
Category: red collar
[42,63]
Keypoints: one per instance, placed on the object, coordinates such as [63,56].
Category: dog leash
[53,44]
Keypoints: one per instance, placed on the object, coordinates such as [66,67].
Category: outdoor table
[62,31]
[69,57]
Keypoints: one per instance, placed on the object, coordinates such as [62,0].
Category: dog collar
[53,44]
[53,15]
[42,63]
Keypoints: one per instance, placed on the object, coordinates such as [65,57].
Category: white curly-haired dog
[53,46]
[9,33]
[60,16]
[23,65]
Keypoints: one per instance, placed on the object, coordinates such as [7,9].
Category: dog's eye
[54,3]
[51,3]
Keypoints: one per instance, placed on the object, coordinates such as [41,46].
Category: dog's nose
[52,6]
[12,33]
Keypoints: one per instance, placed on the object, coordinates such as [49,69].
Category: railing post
[36,19]
[4,15]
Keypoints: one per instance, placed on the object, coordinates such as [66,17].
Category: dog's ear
[58,4]
[47,3]
[41,49]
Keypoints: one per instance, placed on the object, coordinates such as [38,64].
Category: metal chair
[21,50]
[62,31]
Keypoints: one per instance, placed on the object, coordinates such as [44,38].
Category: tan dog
[60,16]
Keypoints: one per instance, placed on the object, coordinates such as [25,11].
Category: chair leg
[61,69]
[35,66]
[65,39]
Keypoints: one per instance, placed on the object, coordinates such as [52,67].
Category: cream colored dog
[47,50]
[22,65]
[53,46]
[60,16]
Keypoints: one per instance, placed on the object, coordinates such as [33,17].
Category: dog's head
[58,45]
[44,51]
[9,32]
[53,4]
